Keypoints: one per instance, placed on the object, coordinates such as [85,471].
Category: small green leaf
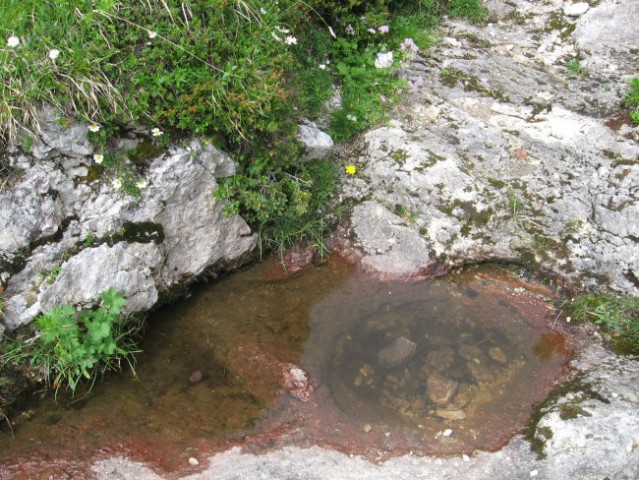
[113,300]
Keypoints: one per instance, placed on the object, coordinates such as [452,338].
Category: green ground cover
[240,72]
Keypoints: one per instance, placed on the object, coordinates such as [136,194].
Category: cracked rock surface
[505,153]
[65,237]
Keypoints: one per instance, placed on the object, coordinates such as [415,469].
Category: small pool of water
[439,366]
[443,366]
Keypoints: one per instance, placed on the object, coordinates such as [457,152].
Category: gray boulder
[317,144]
[64,239]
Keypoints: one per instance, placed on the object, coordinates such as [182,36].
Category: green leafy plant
[74,345]
[617,314]
[632,97]
[406,213]
[3,304]
[574,68]
[365,88]
[575,225]
[90,239]
[310,227]
[27,143]
[53,273]
[631,100]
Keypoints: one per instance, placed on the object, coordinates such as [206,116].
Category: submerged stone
[398,353]
[440,389]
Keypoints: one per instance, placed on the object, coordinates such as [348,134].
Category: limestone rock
[605,437]
[440,390]
[389,246]
[196,376]
[317,144]
[609,27]
[516,142]
[470,352]
[398,353]
[30,212]
[70,140]
[175,232]
[576,9]
[297,382]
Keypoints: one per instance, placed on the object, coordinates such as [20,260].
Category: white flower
[384,60]
[156,132]
[152,34]
[13,41]
[290,40]
[117,183]
[141,184]
[330,30]
[352,118]
[53,53]
[349,30]
[98,158]
[322,66]
[94,127]
[372,30]
[263,10]
[383,29]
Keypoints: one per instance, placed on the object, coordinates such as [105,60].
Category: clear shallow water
[210,374]
[468,354]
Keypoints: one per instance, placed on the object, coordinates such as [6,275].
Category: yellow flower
[351,169]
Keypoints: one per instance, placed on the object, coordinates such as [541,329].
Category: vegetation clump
[616,314]
[74,345]
[240,72]
[631,99]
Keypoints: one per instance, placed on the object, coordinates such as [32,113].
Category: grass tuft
[616,314]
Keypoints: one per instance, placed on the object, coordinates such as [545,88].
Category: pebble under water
[434,367]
